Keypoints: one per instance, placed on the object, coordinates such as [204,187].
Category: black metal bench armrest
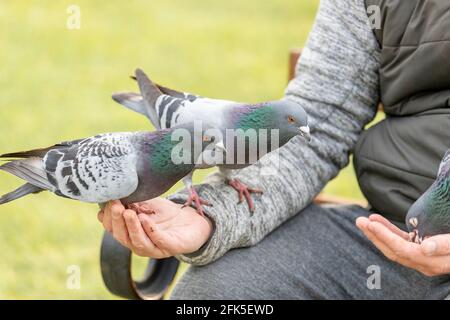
[115,262]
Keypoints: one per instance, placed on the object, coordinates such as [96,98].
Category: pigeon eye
[290,119]
[206,139]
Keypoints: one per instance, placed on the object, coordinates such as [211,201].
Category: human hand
[156,228]
[431,257]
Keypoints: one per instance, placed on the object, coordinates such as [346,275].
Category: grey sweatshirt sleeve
[337,84]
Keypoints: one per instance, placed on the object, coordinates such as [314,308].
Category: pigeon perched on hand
[430,214]
[130,166]
[166,107]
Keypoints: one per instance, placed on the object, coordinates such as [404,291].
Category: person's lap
[318,254]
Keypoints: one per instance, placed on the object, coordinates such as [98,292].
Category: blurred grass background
[56,85]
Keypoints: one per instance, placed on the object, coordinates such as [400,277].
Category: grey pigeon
[430,214]
[130,166]
[166,107]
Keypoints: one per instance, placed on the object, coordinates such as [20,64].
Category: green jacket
[396,160]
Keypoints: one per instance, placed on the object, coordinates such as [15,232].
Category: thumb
[436,246]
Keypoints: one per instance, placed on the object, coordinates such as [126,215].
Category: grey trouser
[318,254]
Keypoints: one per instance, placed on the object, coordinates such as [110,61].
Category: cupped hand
[156,228]
[431,257]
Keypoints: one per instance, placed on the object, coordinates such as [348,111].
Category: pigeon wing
[166,107]
[174,111]
[96,170]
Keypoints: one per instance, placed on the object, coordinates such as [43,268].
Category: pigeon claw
[194,199]
[244,192]
[414,237]
[141,207]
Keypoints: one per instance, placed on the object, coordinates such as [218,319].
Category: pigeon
[130,166]
[430,214]
[165,107]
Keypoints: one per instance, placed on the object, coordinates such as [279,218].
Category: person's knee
[240,274]
[230,277]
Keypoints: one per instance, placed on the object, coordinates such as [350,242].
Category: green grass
[56,85]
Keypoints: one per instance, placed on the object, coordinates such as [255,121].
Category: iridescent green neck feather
[439,200]
[161,157]
[256,117]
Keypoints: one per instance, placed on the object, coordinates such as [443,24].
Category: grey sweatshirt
[337,84]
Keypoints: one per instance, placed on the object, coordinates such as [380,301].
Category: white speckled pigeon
[130,166]
[430,214]
[167,107]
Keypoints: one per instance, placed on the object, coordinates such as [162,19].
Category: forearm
[337,85]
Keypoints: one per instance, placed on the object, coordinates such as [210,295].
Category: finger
[119,229]
[414,259]
[363,224]
[394,242]
[388,253]
[389,225]
[406,253]
[156,235]
[139,240]
[100,215]
[385,249]
[436,246]
[107,219]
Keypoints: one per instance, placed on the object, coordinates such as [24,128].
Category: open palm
[156,228]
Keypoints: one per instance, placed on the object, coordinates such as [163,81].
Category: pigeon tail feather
[168,91]
[35,153]
[41,152]
[132,101]
[30,170]
[150,94]
[172,92]
[20,192]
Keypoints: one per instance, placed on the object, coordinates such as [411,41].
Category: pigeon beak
[221,147]
[414,222]
[305,133]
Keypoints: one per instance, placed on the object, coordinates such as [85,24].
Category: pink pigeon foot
[195,199]
[244,192]
[141,207]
